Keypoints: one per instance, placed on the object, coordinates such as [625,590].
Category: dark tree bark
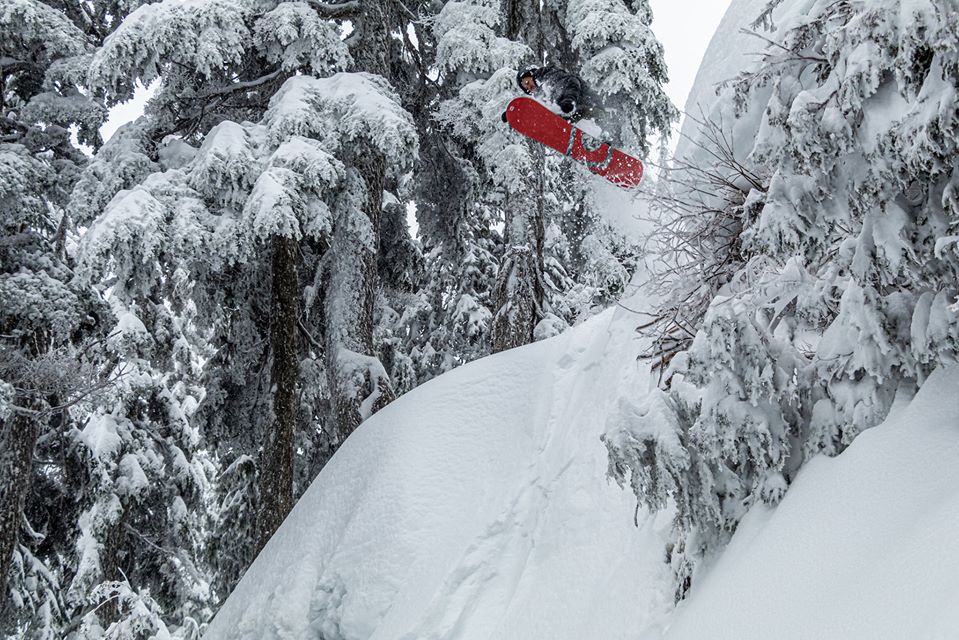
[276,460]
[18,437]
[519,291]
[519,285]
[350,308]
[354,267]
[371,44]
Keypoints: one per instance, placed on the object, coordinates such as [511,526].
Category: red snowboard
[535,121]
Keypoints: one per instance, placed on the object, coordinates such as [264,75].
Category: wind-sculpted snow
[475,506]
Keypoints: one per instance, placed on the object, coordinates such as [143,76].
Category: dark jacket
[568,91]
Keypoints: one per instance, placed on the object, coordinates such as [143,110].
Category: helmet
[523,73]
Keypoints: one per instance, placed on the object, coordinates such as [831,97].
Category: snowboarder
[566,90]
[535,121]
[563,132]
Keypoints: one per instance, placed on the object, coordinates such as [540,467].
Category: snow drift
[475,506]
[862,546]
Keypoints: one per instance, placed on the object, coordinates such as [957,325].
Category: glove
[503,117]
[568,106]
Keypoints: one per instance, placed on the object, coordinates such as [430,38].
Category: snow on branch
[39,26]
[132,219]
[595,23]
[227,164]
[474,115]
[294,36]
[343,109]
[273,205]
[289,198]
[204,35]
[362,376]
[624,62]
[467,44]
[336,9]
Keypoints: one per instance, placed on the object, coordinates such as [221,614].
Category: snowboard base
[535,121]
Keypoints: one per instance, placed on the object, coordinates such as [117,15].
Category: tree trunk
[372,45]
[519,286]
[18,437]
[519,291]
[355,374]
[276,462]
[358,384]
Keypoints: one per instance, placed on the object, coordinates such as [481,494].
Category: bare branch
[239,86]
[336,9]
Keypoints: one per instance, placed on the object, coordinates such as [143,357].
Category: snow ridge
[487,516]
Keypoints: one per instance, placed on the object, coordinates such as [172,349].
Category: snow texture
[203,34]
[477,505]
[467,42]
[361,106]
[487,515]
[861,546]
[731,51]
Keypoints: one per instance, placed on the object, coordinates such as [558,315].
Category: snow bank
[862,546]
[476,506]
[731,51]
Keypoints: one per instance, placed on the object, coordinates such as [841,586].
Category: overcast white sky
[683,26]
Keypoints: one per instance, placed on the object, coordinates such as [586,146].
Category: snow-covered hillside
[476,506]
[730,51]
[861,547]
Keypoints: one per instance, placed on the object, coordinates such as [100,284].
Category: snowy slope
[730,51]
[475,506]
[863,545]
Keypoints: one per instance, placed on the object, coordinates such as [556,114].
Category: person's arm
[570,94]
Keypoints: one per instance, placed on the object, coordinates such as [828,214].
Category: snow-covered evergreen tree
[53,328]
[620,57]
[246,266]
[266,230]
[846,273]
[477,57]
[479,46]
